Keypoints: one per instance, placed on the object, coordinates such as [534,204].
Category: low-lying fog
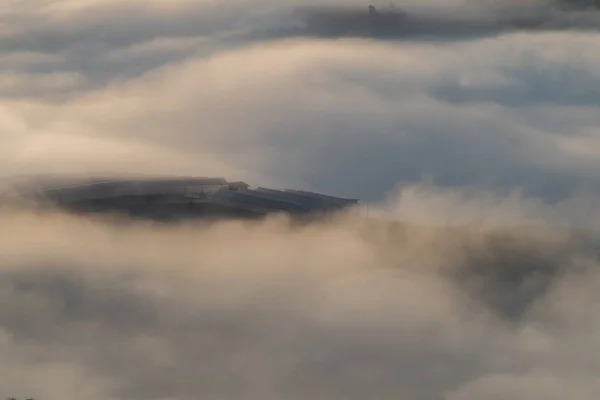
[487,287]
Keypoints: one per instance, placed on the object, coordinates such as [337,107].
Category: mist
[469,272]
[433,20]
[169,93]
[344,309]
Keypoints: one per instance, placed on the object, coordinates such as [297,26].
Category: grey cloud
[351,117]
[101,41]
[451,21]
[339,310]
[347,309]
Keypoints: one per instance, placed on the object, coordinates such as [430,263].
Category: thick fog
[473,274]
[189,86]
[346,309]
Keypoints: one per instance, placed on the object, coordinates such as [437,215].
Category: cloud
[342,309]
[353,116]
[462,20]
[482,289]
[171,93]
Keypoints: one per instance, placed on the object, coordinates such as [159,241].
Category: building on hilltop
[166,198]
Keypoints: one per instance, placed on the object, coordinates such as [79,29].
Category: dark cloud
[462,20]
[95,40]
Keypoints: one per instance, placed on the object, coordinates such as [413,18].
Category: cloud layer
[190,88]
[342,310]
[476,294]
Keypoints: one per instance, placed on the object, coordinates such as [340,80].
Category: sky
[493,127]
